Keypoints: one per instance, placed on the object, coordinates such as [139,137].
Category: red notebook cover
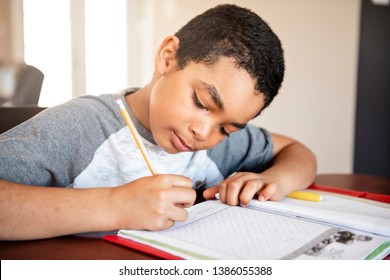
[367,195]
[140,247]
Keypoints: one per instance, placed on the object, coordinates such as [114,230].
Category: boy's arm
[32,212]
[293,167]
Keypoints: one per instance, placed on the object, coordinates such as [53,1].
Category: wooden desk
[374,184]
[82,248]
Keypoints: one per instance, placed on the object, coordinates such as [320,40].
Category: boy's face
[197,107]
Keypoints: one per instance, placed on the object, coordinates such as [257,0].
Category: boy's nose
[201,131]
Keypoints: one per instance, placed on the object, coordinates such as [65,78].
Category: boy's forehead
[224,67]
[229,87]
[224,80]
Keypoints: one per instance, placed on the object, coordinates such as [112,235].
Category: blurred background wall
[318,100]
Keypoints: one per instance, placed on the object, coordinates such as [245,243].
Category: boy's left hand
[241,187]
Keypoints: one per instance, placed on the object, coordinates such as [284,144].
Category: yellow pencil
[135,134]
[304,195]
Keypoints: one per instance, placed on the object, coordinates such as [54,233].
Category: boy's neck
[138,102]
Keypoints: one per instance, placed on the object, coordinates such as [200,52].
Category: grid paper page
[245,233]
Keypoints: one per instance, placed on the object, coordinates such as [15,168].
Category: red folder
[140,247]
[367,195]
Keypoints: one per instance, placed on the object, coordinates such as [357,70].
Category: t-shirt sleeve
[247,150]
[54,146]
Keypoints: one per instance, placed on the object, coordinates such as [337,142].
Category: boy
[216,74]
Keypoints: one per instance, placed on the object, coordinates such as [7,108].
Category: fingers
[174,199]
[174,180]
[154,202]
[165,215]
[268,192]
[211,192]
[240,188]
[182,196]
[175,190]
[251,188]
[160,224]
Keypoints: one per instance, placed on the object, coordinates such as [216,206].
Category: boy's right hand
[152,203]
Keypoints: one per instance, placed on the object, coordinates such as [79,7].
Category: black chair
[12,116]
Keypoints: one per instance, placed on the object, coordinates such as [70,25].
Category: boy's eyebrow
[216,97]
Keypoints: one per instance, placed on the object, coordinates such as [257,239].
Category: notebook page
[336,210]
[215,230]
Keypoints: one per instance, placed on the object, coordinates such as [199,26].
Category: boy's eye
[223,131]
[197,102]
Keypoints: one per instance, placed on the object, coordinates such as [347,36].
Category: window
[80,46]
[47,47]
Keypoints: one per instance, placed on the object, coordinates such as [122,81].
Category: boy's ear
[166,55]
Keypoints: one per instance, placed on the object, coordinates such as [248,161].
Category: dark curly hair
[236,32]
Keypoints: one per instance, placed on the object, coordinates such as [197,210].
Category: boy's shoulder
[251,137]
[86,105]
[250,148]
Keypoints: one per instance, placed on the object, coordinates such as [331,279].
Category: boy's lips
[179,143]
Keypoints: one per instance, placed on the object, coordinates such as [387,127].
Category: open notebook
[339,227]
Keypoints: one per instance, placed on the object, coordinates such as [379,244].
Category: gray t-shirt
[85,143]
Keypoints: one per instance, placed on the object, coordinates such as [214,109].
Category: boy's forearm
[28,212]
[295,167]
